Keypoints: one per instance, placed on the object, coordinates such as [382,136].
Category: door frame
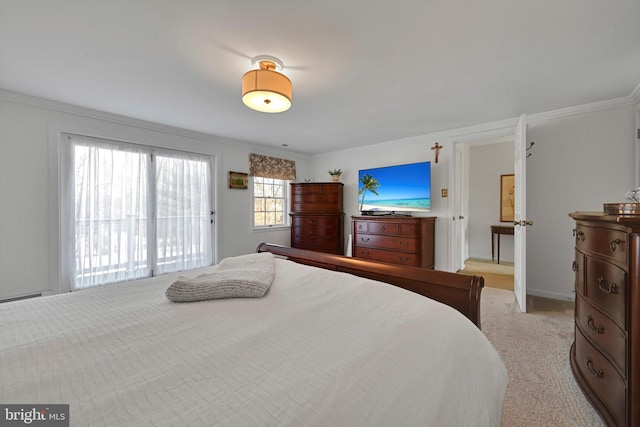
[458,239]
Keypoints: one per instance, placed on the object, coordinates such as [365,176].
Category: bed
[326,346]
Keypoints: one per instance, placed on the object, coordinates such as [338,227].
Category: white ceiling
[363,72]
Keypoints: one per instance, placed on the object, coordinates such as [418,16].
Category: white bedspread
[320,349]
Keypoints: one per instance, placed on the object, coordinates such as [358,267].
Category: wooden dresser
[396,240]
[605,356]
[317,220]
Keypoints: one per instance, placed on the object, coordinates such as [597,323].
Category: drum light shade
[265,89]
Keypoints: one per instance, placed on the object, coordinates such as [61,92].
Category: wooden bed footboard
[459,291]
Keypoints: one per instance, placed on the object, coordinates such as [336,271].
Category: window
[271,177]
[270,201]
[134,212]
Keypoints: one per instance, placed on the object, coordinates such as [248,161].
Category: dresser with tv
[317,219]
[394,239]
[605,355]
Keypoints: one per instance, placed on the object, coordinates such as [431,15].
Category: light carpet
[535,349]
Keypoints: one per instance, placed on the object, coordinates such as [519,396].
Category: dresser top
[631,221]
[316,183]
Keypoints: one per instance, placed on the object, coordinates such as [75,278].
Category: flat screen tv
[401,188]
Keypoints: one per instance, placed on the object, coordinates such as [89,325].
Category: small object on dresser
[335,174]
[622,208]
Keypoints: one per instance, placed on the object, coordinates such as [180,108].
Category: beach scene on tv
[401,188]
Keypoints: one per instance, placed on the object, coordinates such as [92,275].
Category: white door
[460,207]
[520,212]
[456,231]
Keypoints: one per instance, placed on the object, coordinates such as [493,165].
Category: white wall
[486,163]
[27,220]
[577,164]
[583,157]
[409,150]
[580,160]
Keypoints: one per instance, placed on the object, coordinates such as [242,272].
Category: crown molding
[35,101]
[109,117]
[474,132]
[635,95]
[580,109]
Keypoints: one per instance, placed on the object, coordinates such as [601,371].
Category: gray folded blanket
[245,276]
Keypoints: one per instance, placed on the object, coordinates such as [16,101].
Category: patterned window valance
[271,167]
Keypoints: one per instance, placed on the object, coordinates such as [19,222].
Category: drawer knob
[574,266]
[579,235]
[403,243]
[403,259]
[614,244]
[597,329]
[364,239]
[383,228]
[596,372]
[611,288]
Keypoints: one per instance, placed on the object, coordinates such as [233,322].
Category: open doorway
[486,247]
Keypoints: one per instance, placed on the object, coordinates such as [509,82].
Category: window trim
[287,207]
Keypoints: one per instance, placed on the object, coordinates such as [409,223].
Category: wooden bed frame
[459,291]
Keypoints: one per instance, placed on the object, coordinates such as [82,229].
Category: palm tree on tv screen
[369,183]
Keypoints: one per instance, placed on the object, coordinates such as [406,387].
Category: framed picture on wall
[238,180]
[507,197]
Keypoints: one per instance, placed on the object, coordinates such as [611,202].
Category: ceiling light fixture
[265,89]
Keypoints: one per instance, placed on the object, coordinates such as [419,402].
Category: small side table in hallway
[499,230]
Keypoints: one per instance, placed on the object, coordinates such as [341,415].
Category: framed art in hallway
[238,180]
[507,197]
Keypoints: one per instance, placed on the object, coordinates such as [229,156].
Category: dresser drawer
[316,221]
[578,268]
[601,241]
[406,244]
[361,226]
[314,231]
[605,334]
[410,229]
[606,288]
[325,244]
[384,228]
[316,189]
[387,256]
[315,206]
[316,198]
[601,377]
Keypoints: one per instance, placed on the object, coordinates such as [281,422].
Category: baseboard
[551,295]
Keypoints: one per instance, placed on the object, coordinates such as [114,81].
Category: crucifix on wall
[437,148]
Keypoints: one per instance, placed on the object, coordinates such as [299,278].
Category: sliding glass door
[137,211]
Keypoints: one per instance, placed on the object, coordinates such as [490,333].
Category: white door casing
[520,212]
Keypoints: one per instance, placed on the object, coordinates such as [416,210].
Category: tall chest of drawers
[605,356]
[396,240]
[317,220]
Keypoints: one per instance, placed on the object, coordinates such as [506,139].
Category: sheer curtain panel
[110,214]
[131,211]
[183,214]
